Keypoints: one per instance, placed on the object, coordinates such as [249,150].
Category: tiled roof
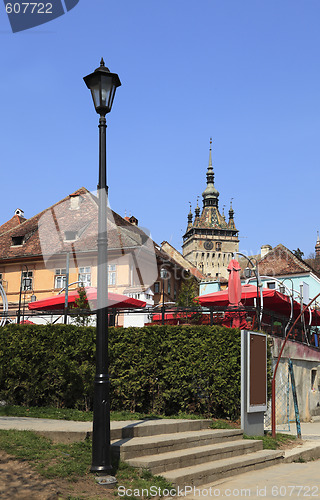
[280,260]
[45,233]
[184,263]
[11,223]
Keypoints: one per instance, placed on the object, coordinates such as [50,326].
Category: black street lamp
[163,275]
[103,85]
[25,284]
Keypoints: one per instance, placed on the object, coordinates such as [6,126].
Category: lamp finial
[102,62]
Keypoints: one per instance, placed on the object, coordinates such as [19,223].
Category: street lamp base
[106,481]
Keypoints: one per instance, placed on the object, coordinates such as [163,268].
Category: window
[27,280]
[112,274]
[175,293]
[85,276]
[169,287]
[271,285]
[17,241]
[218,246]
[157,287]
[0,278]
[60,278]
[70,235]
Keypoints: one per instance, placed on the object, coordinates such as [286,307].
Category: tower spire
[317,247]
[210,154]
[190,216]
[231,216]
[210,194]
[197,210]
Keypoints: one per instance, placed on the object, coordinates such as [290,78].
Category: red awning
[272,300]
[56,302]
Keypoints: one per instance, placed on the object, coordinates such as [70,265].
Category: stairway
[188,453]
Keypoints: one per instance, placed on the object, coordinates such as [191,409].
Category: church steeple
[210,194]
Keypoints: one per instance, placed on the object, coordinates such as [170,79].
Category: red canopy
[56,302]
[272,300]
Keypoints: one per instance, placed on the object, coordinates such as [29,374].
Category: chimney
[19,212]
[265,249]
[75,201]
[133,220]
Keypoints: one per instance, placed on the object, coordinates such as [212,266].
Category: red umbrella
[234,283]
[56,302]
[234,295]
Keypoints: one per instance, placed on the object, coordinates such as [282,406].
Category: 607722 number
[29,8]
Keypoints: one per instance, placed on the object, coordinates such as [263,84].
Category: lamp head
[102,85]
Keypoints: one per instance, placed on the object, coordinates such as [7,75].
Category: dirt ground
[19,482]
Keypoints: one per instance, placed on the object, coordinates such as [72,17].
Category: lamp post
[102,85]
[163,275]
[24,283]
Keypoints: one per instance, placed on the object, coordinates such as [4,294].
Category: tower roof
[210,194]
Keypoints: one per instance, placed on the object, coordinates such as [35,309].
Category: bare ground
[18,481]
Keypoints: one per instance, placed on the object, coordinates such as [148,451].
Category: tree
[188,292]
[298,253]
[81,305]
[187,299]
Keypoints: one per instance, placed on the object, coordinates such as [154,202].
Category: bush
[162,369]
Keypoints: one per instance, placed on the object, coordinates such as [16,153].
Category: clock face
[208,245]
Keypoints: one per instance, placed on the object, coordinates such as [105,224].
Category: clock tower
[210,240]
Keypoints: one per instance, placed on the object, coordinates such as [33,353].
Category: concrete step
[142,428]
[208,472]
[172,460]
[164,443]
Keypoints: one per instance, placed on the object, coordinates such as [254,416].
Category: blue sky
[246,73]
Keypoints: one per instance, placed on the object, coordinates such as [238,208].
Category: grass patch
[270,443]
[78,415]
[71,461]
[224,424]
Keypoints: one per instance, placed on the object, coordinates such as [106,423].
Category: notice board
[257,372]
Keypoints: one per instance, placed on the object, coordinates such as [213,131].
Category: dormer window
[17,241]
[70,235]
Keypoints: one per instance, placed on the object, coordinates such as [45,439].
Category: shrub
[162,369]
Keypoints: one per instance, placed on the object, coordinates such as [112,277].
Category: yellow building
[34,254]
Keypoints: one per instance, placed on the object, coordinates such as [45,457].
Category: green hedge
[152,369]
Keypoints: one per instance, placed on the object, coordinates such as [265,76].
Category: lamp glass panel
[106,90]
[95,91]
[112,93]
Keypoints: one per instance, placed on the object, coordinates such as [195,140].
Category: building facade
[210,240]
[35,254]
